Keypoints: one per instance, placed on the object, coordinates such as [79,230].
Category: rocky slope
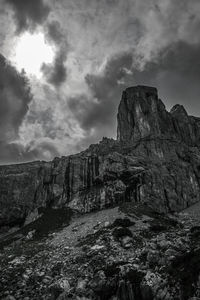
[155,160]
[125,253]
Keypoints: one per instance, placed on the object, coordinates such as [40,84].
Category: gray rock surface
[150,257]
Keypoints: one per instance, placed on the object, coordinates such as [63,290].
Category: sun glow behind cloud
[31,52]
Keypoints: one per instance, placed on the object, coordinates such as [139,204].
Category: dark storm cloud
[15,95]
[29,13]
[176,74]
[56,73]
[106,89]
[54,32]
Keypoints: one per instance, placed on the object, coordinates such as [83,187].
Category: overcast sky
[70,93]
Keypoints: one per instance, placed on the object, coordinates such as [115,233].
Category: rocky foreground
[125,253]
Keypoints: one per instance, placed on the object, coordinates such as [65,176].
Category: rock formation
[143,115]
[155,160]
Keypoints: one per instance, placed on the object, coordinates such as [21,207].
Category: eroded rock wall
[156,159]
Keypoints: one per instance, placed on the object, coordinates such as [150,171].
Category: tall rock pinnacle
[142,114]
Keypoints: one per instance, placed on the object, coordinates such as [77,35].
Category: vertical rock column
[141,114]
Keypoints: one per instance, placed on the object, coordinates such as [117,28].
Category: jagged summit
[142,114]
[178,109]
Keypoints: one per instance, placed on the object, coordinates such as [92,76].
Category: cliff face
[142,114]
[169,141]
[156,159]
[94,179]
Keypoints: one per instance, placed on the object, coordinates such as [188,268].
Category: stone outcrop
[142,114]
[155,159]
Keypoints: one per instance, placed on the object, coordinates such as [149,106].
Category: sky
[65,63]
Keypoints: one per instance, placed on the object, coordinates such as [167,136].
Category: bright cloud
[31,52]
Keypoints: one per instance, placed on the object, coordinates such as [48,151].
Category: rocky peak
[141,114]
[178,111]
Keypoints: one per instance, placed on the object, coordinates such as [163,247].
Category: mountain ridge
[155,160]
